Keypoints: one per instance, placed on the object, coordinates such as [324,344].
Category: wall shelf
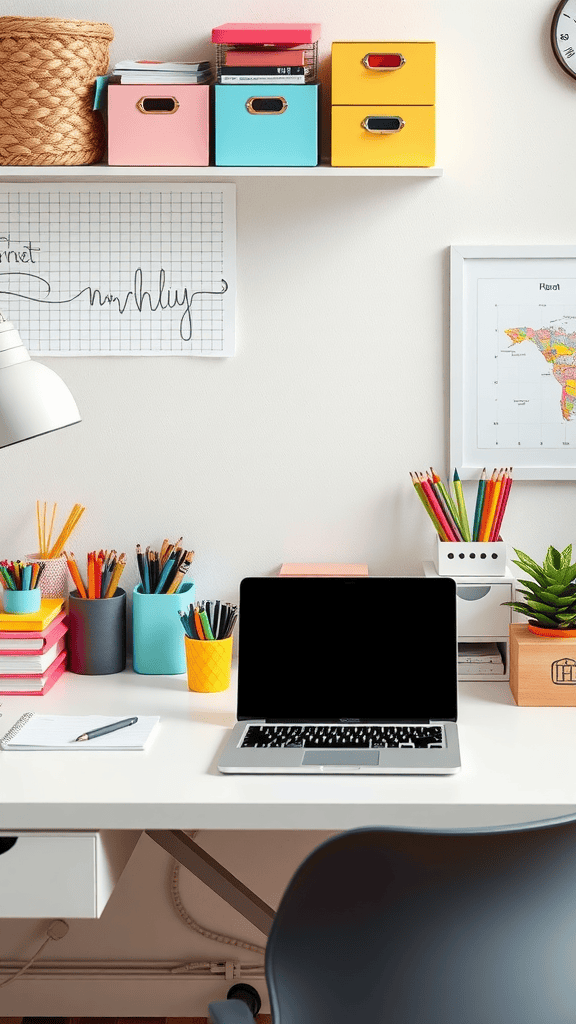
[102,172]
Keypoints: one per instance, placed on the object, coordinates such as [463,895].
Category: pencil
[444,492]
[446,506]
[450,535]
[479,504]
[495,494]
[505,493]
[118,570]
[426,504]
[464,524]
[75,574]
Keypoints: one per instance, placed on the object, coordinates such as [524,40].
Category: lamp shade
[33,399]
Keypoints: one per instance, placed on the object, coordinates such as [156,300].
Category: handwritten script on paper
[120,271]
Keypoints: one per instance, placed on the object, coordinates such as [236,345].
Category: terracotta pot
[556,634]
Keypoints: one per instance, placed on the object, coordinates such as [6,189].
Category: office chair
[469,926]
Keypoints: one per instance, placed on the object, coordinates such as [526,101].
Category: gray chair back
[414,927]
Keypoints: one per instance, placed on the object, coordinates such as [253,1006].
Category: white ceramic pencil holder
[470,558]
[54,578]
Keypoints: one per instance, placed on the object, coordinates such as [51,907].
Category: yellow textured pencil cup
[208,663]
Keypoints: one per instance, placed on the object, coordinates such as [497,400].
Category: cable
[180,909]
[56,930]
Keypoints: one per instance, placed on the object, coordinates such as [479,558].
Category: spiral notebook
[60,732]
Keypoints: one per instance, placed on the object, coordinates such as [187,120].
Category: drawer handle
[383,61]
[266,105]
[7,842]
[157,105]
[472,593]
[383,125]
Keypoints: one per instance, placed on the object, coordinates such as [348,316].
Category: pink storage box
[158,125]
[266,33]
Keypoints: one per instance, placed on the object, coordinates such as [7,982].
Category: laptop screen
[372,648]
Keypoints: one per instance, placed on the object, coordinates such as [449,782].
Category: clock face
[564,36]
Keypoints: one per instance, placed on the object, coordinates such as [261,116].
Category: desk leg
[215,876]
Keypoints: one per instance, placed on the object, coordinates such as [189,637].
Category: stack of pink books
[33,652]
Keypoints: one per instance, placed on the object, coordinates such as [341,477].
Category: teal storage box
[266,125]
[157,633]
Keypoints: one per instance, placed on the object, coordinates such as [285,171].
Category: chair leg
[248,994]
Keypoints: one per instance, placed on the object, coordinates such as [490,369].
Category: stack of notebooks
[158,72]
[33,649]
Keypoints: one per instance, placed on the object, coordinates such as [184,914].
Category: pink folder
[323,569]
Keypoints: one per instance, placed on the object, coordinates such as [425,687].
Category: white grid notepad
[120,270]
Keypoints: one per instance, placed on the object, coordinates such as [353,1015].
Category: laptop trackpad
[341,757]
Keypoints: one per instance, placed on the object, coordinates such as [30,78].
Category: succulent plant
[550,596]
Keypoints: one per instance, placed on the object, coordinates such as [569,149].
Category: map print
[558,347]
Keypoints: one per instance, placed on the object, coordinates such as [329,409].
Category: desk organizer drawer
[480,611]
[266,125]
[61,874]
[383,136]
[377,72]
[158,125]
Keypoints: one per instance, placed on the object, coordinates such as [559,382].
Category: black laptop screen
[369,648]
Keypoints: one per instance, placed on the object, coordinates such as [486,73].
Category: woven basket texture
[47,90]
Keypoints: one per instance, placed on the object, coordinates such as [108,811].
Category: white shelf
[102,172]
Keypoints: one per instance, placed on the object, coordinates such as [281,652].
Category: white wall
[340,382]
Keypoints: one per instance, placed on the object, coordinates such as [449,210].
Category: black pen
[105,729]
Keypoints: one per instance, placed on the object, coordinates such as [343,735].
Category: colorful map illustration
[558,348]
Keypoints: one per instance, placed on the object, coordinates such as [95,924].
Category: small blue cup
[22,602]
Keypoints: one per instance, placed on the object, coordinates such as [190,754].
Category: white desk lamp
[33,399]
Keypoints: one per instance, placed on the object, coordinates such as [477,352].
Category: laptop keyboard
[355,736]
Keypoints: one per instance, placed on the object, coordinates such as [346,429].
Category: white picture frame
[511,397]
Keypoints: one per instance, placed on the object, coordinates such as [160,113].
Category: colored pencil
[479,504]
[464,524]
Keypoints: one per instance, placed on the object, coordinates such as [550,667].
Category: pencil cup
[54,578]
[157,634]
[208,664]
[22,602]
[470,558]
[97,634]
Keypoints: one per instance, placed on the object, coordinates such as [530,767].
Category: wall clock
[563,36]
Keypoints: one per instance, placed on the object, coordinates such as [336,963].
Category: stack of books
[33,649]
[158,72]
[270,68]
[264,54]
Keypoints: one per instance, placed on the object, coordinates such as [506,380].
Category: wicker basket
[46,90]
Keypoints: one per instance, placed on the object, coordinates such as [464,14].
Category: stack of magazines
[158,72]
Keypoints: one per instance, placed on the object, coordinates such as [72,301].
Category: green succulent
[550,596]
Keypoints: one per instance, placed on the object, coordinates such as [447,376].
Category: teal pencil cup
[157,634]
[22,602]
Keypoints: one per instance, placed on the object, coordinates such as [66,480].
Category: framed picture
[513,360]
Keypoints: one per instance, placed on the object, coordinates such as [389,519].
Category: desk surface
[519,764]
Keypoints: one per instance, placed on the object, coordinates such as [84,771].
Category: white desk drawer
[480,611]
[61,874]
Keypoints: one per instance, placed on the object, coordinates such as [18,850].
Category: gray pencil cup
[97,634]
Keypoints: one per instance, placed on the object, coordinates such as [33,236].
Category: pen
[106,729]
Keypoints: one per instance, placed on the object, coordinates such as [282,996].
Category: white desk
[519,764]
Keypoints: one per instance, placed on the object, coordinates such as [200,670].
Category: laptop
[346,676]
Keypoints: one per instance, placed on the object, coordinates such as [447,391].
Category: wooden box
[542,669]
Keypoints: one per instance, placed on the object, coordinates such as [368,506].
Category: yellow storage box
[383,112]
[393,136]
